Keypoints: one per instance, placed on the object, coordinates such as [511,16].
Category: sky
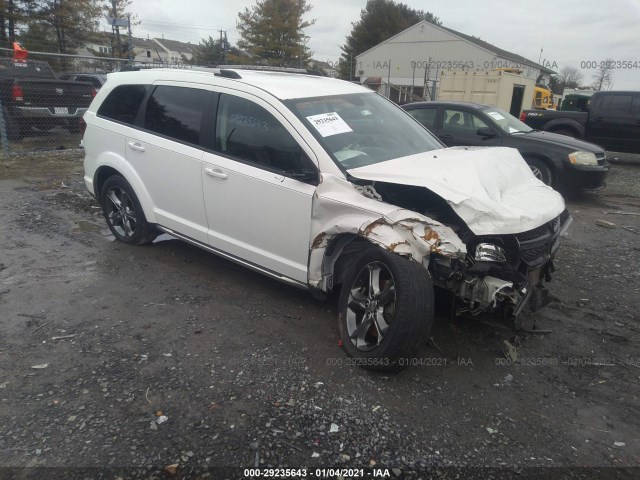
[578,33]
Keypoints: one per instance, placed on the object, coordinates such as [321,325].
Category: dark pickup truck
[612,121]
[32,97]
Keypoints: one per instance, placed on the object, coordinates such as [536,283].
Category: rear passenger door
[165,151]
[257,200]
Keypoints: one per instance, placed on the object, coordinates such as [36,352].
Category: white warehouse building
[415,57]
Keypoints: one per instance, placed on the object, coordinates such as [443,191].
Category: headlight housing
[488,252]
[583,158]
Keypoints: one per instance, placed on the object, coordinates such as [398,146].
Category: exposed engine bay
[502,273]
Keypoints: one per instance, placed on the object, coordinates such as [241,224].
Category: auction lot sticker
[329,124]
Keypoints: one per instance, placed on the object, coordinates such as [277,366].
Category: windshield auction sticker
[329,124]
[495,115]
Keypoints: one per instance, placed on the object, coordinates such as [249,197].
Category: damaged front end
[503,274]
[509,222]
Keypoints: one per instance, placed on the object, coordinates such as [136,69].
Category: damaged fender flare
[402,232]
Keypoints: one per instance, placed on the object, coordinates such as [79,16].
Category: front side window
[123,103]
[246,131]
[361,129]
[176,112]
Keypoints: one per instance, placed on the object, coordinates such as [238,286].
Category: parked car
[96,79]
[557,160]
[32,96]
[324,185]
[611,119]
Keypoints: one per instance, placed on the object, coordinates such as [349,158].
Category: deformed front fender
[340,211]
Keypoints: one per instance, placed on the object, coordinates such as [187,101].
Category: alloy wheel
[371,306]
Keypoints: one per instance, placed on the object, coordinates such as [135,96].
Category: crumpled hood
[491,188]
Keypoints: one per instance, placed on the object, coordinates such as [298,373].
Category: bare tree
[603,78]
[569,77]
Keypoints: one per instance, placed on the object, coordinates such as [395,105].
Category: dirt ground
[143,357]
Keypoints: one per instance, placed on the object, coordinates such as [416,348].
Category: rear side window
[176,112]
[426,116]
[123,103]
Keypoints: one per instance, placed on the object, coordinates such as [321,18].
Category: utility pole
[222,46]
[114,4]
[131,56]
[389,81]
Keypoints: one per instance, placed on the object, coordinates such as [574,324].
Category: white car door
[258,204]
[167,155]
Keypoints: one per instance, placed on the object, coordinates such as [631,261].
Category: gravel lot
[145,357]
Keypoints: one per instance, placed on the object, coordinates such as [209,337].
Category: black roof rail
[229,71]
[228,74]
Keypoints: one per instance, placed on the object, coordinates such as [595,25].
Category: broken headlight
[583,158]
[488,252]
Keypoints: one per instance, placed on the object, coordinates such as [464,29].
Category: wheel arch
[567,125]
[115,166]
[404,234]
[543,158]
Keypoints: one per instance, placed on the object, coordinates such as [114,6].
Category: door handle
[136,146]
[215,173]
[599,119]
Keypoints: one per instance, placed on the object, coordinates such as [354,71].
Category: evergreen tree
[71,21]
[272,31]
[379,20]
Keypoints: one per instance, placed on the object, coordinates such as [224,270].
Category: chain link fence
[43,99]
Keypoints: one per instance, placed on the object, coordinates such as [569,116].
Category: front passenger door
[460,128]
[257,199]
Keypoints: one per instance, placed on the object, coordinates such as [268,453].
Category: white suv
[323,184]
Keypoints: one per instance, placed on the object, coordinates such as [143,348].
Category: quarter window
[176,112]
[123,103]
[248,132]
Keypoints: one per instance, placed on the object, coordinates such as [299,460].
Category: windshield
[363,128]
[506,121]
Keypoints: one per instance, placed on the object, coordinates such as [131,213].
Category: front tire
[123,212]
[385,310]
[541,171]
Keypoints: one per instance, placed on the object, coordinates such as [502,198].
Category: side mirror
[306,176]
[486,133]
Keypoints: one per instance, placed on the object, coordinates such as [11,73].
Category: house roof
[476,41]
[144,43]
[176,46]
[498,51]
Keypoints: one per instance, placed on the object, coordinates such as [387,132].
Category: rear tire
[385,310]
[123,212]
